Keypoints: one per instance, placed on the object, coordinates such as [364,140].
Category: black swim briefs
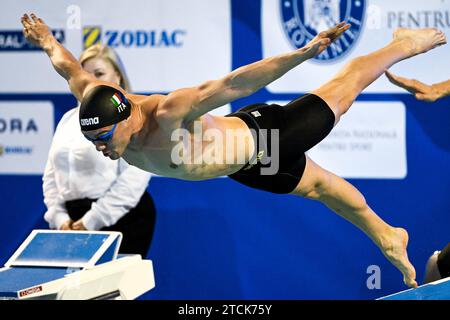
[301,125]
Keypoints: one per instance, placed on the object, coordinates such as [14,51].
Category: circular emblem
[304,19]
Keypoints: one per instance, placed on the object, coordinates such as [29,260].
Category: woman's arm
[123,195]
[56,214]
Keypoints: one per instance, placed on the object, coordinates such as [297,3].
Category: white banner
[26,131]
[164,45]
[287,24]
[368,142]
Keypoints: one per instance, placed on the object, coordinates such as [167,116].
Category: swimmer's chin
[114,156]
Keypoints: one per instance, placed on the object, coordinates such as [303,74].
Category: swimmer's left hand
[320,42]
[335,32]
[78,225]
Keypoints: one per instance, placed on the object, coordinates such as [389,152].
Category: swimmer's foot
[394,249]
[419,41]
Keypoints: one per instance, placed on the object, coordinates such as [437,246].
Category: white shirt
[76,170]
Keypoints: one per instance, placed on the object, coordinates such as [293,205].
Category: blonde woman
[84,190]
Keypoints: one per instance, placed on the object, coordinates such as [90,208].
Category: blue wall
[219,240]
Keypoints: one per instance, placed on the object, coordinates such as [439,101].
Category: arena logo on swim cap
[89,121]
[304,19]
[118,102]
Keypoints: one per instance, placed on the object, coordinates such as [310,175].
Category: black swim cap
[103,106]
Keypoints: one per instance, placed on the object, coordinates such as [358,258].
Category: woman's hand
[66,225]
[78,225]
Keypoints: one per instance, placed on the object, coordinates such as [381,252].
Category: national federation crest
[304,19]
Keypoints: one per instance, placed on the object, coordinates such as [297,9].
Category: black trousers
[137,226]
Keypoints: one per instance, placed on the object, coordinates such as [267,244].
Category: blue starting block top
[49,248]
[13,280]
[438,290]
[48,255]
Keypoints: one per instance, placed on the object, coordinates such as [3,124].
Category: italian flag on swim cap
[118,102]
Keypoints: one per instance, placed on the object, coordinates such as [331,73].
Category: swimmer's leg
[342,90]
[344,199]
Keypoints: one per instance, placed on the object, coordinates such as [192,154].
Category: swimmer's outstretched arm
[421,90]
[191,103]
[38,33]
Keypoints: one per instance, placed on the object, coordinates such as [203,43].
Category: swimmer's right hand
[36,31]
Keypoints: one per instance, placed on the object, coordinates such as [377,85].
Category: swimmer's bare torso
[202,148]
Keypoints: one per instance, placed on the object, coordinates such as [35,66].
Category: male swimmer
[141,128]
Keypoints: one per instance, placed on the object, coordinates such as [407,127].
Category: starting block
[74,265]
[437,290]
